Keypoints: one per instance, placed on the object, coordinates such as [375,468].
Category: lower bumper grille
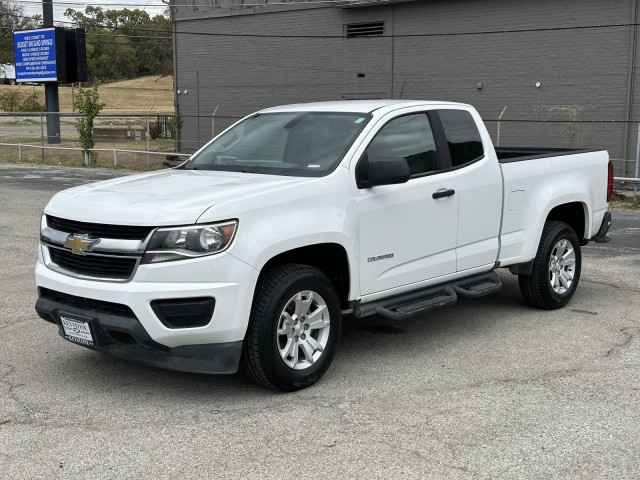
[97,306]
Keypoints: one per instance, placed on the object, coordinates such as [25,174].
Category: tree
[87,102]
[11,19]
[125,43]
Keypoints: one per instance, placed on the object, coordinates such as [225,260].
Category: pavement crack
[457,468]
[27,410]
[629,334]
[552,375]
[612,285]
[14,324]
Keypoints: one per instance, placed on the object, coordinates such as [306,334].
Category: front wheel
[294,328]
[556,268]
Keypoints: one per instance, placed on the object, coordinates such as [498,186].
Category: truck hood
[168,197]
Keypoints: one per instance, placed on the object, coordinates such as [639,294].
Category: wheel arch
[574,214]
[330,258]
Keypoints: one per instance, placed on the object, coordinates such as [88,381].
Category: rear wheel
[556,268]
[294,328]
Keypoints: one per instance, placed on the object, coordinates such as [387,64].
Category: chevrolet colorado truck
[249,253]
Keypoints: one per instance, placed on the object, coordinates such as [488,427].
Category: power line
[419,35]
[342,36]
[77,4]
[149,37]
[204,5]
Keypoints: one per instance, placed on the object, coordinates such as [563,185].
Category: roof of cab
[354,106]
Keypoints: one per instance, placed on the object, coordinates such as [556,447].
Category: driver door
[406,235]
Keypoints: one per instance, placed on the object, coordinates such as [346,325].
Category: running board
[411,304]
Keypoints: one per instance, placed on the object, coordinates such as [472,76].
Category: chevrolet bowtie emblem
[80,243]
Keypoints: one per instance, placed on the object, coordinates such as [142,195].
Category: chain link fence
[620,138]
[151,141]
[139,142]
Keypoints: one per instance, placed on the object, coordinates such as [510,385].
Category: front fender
[273,222]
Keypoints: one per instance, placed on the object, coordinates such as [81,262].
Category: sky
[31,7]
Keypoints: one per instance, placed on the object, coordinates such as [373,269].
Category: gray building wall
[585,73]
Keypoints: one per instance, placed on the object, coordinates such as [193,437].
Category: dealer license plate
[77,331]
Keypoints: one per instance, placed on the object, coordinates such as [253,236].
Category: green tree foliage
[125,43]
[11,19]
[87,103]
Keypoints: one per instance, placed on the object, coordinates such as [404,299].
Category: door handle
[443,192]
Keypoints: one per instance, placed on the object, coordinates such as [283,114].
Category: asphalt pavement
[488,388]
[33,129]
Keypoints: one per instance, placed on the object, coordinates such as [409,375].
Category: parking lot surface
[488,388]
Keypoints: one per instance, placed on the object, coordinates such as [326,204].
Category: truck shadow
[461,318]
[366,341]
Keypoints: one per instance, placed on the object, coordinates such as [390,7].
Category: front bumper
[120,333]
[133,331]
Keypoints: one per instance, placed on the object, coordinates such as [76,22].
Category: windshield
[306,144]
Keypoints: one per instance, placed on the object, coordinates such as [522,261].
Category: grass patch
[136,159]
[128,96]
[623,201]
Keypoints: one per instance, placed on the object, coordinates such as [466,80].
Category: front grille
[98,306]
[97,230]
[102,266]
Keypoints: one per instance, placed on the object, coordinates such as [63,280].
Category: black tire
[537,288]
[261,358]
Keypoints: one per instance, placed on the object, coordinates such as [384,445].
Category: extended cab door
[407,235]
[479,188]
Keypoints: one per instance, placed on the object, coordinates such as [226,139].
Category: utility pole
[51,88]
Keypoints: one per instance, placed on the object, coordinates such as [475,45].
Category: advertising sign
[36,58]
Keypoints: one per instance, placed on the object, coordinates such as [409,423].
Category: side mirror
[381,171]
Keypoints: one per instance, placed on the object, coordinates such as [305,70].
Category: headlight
[179,243]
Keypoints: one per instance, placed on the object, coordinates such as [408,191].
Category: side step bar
[411,304]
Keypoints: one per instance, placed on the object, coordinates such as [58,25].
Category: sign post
[50,55]
[51,98]
[37,62]
[51,89]
[40,58]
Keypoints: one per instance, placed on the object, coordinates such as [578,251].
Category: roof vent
[370,29]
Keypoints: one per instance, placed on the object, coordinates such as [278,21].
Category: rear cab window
[463,137]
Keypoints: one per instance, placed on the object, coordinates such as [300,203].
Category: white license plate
[77,330]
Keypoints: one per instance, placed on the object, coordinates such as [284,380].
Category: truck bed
[556,177]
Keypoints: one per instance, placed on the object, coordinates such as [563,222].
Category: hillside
[127,96]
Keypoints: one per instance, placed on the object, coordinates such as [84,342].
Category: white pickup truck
[251,251]
[7,73]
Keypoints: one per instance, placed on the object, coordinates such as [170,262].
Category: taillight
[610,182]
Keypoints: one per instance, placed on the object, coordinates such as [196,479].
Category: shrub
[15,100]
[88,104]
[32,103]
[10,100]
[155,130]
